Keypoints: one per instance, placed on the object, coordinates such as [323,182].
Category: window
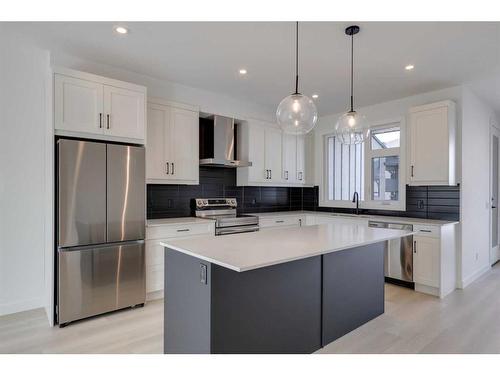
[385,138]
[385,178]
[345,170]
[372,169]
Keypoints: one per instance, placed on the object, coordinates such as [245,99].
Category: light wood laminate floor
[467,321]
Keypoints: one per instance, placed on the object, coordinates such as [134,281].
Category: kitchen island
[289,290]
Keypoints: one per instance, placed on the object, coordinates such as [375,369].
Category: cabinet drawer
[181,230]
[281,221]
[427,230]
[154,278]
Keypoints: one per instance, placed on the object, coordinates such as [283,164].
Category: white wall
[475,189]
[209,102]
[24,207]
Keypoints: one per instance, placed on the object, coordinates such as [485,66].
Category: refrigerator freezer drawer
[98,279]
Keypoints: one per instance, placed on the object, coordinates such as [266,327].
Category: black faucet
[355,199]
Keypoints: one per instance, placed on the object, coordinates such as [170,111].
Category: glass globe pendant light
[297,113]
[351,127]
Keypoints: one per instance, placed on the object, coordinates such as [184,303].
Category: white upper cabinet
[293,159]
[289,158]
[172,154]
[260,143]
[78,105]
[184,150]
[91,106]
[124,110]
[432,144]
[278,159]
[272,153]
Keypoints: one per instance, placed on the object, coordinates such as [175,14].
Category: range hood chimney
[218,143]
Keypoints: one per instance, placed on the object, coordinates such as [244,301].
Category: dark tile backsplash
[163,201]
[175,200]
[426,202]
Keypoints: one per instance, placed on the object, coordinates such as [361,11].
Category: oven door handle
[233,230]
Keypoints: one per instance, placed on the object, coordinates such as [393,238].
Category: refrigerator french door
[101,228]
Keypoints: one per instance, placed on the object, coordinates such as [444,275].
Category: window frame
[368,154]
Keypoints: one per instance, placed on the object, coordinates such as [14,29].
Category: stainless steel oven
[227,220]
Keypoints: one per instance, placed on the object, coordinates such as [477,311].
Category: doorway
[494,188]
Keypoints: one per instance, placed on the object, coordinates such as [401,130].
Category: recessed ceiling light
[409,67]
[121,30]
[243,72]
[315,96]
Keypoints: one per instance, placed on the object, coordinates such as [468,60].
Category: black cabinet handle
[415,247]
[166,168]
[100,120]
[425,230]
[183,230]
[279,221]
[173,170]
[108,120]
[412,171]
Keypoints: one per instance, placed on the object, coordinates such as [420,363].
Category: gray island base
[294,307]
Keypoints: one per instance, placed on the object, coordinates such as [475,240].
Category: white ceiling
[209,55]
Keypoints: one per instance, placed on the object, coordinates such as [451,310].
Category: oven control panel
[211,203]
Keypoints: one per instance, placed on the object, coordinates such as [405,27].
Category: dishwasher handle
[377,224]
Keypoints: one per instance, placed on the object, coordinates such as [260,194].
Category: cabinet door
[272,154]
[429,158]
[78,105]
[124,111]
[184,154]
[158,130]
[289,173]
[256,153]
[426,262]
[301,159]
[154,266]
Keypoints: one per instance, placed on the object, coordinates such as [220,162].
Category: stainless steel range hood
[218,143]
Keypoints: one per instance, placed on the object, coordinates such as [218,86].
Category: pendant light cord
[352,72]
[297,58]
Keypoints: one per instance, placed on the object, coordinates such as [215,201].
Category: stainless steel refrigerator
[101,227]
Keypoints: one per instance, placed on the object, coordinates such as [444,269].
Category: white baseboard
[471,278]
[24,305]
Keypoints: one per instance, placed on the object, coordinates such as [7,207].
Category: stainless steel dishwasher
[398,253]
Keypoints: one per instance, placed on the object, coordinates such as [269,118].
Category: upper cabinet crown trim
[98,79]
[426,107]
[161,101]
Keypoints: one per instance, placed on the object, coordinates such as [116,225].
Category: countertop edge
[272,263]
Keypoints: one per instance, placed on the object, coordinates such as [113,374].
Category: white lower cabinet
[435,259]
[426,261]
[155,259]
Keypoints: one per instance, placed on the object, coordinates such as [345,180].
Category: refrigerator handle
[99,246]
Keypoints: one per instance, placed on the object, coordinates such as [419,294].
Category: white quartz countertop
[390,219]
[175,221]
[247,251]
